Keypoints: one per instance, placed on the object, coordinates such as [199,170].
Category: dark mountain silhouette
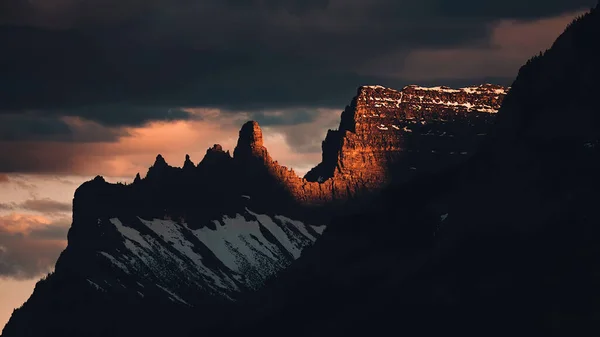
[504,244]
[189,242]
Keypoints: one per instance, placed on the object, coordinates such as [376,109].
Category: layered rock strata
[387,136]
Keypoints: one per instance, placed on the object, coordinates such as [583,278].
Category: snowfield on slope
[238,253]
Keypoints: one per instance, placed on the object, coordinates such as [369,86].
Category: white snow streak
[173,295]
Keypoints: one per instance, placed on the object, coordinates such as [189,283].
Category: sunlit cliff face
[385,135]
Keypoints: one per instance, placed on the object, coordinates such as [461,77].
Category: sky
[101,87]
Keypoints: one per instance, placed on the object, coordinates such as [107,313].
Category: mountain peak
[215,155]
[160,161]
[188,164]
[251,134]
[250,143]
[216,147]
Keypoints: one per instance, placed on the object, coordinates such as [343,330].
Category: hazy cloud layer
[293,138]
[510,42]
[46,205]
[30,245]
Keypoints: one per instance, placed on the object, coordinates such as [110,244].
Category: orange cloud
[30,244]
[22,223]
[296,145]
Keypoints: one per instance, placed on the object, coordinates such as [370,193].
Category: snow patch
[115,261]
[318,229]
[173,295]
[95,285]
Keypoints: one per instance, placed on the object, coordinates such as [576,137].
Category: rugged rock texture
[387,136]
[384,133]
[188,241]
[507,243]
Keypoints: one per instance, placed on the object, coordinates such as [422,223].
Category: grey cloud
[102,123]
[45,206]
[29,255]
[304,140]
[57,231]
[304,130]
[27,157]
[285,117]
[51,127]
[26,126]
[513,9]
[7,206]
[23,258]
[291,6]
[126,115]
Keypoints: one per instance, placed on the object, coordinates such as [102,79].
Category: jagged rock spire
[250,143]
[160,161]
[188,164]
[251,135]
[215,155]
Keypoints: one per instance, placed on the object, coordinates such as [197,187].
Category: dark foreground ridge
[507,244]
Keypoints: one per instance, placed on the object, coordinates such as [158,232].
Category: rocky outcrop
[507,243]
[182,243]
[386,136]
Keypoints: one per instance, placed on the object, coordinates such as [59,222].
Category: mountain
[386,136]
[504,244]
[187,244]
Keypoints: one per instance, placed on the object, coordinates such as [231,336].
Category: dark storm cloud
[237,55]
[50,126]
[32,127]
[126,115]
[512,9]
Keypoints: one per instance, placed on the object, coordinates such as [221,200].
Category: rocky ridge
[504,244]
[201,236]
[387,136]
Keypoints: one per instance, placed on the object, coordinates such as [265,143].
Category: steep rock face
[383,125]
[196,238]
[122,269]
[387,136]
[506,243]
